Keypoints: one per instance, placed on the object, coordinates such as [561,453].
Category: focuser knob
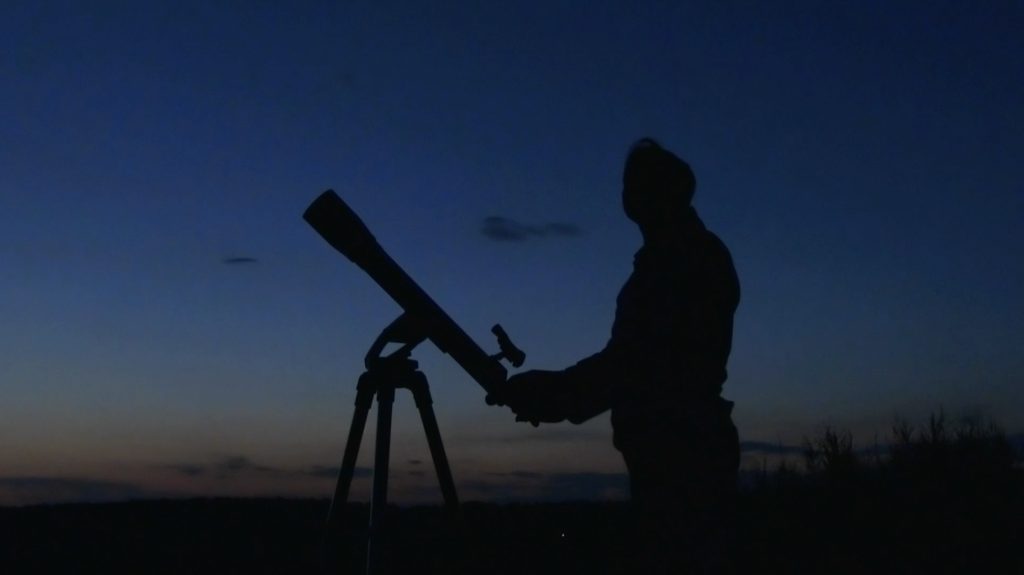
[509,351]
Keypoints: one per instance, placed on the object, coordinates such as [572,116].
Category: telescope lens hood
[331,217]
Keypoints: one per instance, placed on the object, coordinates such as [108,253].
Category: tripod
[383,376]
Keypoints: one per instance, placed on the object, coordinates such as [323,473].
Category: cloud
[36,490]
[519,474]
[332,471]
[237,465]
[543,434]
[771,448]
[229,466]
[239,260]
[502,229]
[536,486]
[241,464]
[189,469]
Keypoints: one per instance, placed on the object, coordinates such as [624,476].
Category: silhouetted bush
[940,497]
[831,454]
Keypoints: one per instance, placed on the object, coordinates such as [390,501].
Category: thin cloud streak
[239,260]
[240,465]
[501,229]
[536,486]
[541,435]
[38,490]
[768,447]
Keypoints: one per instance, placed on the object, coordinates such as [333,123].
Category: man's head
[657,186]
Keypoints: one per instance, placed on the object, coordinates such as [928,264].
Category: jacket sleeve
[589,383]
[589,386]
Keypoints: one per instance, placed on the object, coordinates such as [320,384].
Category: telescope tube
[331,217]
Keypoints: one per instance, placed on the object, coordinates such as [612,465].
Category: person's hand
[535,396]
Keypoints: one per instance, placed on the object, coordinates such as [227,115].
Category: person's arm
[584,390]
[577,393]
[588,384]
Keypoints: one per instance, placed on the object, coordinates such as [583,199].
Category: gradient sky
[861,160]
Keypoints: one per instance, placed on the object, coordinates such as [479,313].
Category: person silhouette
[661,374]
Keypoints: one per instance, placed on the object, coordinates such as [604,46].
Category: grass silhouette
[937,498]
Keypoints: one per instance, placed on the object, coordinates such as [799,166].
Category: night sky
[170,326]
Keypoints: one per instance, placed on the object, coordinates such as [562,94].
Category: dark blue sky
[862,162]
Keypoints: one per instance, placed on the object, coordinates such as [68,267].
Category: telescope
[331,217]
[421,319]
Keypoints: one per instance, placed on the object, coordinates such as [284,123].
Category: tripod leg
[379,500]
[337,552]
[425,404]
[364,400]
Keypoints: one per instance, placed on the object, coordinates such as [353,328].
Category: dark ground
[786,527]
